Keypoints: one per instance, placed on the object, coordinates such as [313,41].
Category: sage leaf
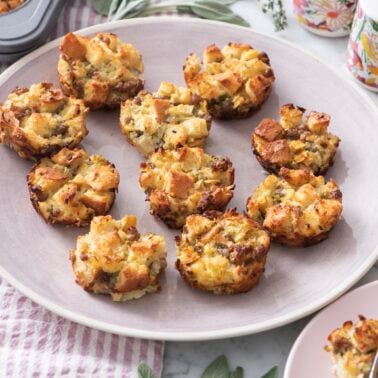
[144,371]
[237,373]
[210,9]
[213,10]
[272,373]
[217,369]
[114,5]
[129,9]
[102,6]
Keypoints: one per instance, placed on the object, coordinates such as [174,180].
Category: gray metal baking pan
[27,27]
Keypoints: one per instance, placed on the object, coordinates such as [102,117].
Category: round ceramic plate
[308,357]
[34,255]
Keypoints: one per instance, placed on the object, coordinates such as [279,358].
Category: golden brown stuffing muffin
[113,258]
[71,187]
[298,208]
[224,253]
[101,70]
[8,5]
[294,142]
[235,81]
[170,118]
[186,181]
[353,347]
[40,121]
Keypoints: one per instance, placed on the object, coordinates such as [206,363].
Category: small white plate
[307,357]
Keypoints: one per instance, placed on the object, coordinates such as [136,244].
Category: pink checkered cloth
[37,343]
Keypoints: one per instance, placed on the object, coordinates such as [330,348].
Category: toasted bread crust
[114,259]
[186,181]
[224,253]
[297,208]
[235,81]
[40,120]
[72,187]
[170,118]
[295,143]
[101,70]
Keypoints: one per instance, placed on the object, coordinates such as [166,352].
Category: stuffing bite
[114,258]
[172,117]
[71,187]
[223,253]
[296,208]
[40,120]
[8,5]
[186,181]
[102,70]
[353,348]
[235,80]
[294,142]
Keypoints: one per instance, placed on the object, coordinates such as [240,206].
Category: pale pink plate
[34,255]
[308,357]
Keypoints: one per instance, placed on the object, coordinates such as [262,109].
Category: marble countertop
[258,353]
[255,353]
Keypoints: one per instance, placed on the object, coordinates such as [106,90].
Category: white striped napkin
[37,343]
[34,342]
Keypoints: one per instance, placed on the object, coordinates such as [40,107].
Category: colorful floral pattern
[362,57]
[326,16]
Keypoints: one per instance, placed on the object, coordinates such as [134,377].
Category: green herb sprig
[272,373]
[276,9]
[219,368]
[144,371]
[210,9]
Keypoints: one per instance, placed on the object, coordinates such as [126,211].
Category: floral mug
[362,57]
[329,18]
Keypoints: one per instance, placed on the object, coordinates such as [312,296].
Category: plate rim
[302,335]
[340,289]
